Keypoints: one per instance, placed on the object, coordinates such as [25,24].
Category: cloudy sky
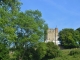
[57,13]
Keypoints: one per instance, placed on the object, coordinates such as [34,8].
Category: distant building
[52,36]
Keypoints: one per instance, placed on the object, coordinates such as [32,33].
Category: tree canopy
[20,31]
[69,38]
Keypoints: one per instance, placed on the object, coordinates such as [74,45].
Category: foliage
[66,56]
[45,31]
[4,52]
[41,50]
[75,52]
[7,30]
[29,30]
[69,38]
[34,53]
[78,30]
[10,5]
[20,31]
[52,51]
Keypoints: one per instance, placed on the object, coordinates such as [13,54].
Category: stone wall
[52,36]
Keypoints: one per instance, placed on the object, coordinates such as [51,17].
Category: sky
[57,13]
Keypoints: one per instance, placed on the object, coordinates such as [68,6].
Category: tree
[52,51]
[41,50]
[68,38]
[20,31]
[4,52]
[45,31]
[10,5]
[29,29]
[78,29]
[78,35]
[7,24]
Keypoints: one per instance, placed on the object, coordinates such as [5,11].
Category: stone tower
[52,36]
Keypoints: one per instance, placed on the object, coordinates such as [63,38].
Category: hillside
[65,55]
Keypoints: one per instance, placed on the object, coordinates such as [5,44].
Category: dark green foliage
[4,52]
[75,52]
[34,53]
[45,31]
[52,51]
[41,50]
[69,38]
[29,54]
[78,30]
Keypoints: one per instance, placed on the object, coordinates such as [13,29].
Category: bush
[74,52]
[52,51]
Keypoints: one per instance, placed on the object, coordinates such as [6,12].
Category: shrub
[52,51]
[74,52]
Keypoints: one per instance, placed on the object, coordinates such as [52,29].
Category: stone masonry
[52,36]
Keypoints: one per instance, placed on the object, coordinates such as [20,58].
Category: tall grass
[69,54]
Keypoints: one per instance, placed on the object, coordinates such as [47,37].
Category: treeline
[70,38]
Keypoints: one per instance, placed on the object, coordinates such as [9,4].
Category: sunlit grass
[65,55]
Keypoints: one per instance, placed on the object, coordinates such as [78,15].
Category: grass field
[65,55]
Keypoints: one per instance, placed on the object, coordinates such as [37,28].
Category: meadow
[65,55]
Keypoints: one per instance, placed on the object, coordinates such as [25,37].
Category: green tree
[78,29]
[41,50]
[29,27]
[78,35]
[20,31]
[7,19]
[10,5]
[45,31]
[68,38]
[7,25]
[52,51]
[4,52]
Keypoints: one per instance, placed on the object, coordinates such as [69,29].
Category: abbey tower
[52,36]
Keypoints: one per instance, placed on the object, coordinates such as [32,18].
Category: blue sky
[60,13]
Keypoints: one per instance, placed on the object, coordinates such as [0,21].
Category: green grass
[65,55]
